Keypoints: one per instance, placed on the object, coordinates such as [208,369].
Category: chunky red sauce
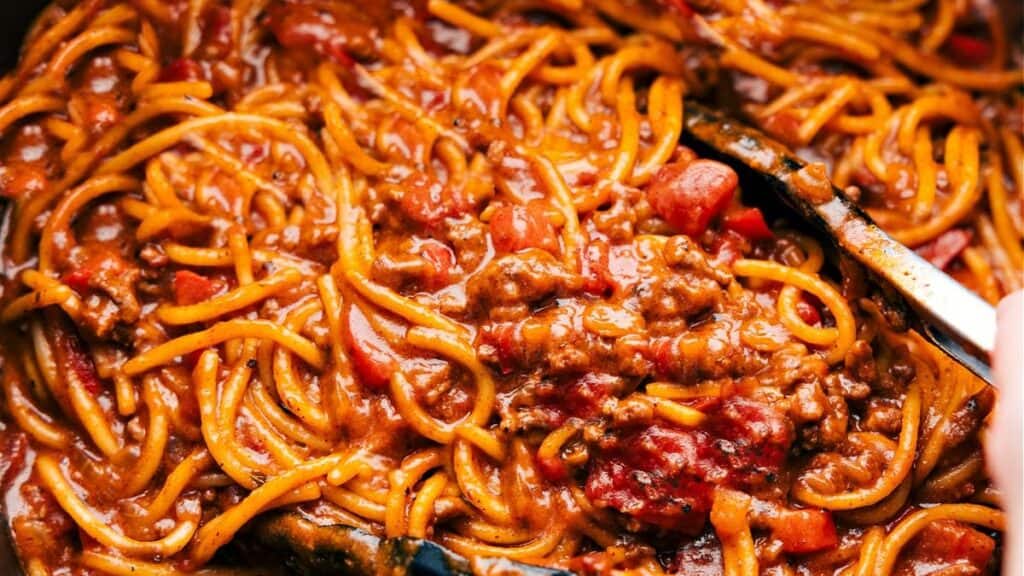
[404,288]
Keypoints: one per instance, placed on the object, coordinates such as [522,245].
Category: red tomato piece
[969,49]
[783,125]
[803,531]
[947,543]
[441,261]
[579,397]
[586,395]
[504,338]
[427,201]
[552,469]
[946,247]
[78,279]
[180,70]
[662,352]
[594,267]
[689,196]
[609,268]
[728,247]
[515,228]
[303,26]
[623,272]
[192,288]
[647,476]
[254,152]
[665,476]
[761,435]
[808,310]
[748,222]
[12,456]
[423,199]
[373,358]
[72,357]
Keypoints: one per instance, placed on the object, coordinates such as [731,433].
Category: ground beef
[521,278]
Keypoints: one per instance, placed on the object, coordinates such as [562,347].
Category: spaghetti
[445,271]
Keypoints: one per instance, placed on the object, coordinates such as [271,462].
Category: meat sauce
[570,341]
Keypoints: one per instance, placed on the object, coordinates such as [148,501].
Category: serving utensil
[949,315]
[303,547]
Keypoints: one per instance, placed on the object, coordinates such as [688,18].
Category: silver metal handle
[950,316]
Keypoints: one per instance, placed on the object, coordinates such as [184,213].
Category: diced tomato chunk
[944,249]
[700,556]
[761,434]
[552,469]
[581,397]
[969,49]
[373,358]
[441,261]
[689,196]
[586,394]
[515,228]
[728,247]
[504,338]
[803,531]
[624,271]
[71,356]
[78,279]
[192,288]
[948,543]
[665,476]
[807,307]
[783,125]
[661,352]
[748,222]
[604,267]
[13,448]
[594,267]
[180,70]
[423,199]
[305,26]
[427,201]
[647,477]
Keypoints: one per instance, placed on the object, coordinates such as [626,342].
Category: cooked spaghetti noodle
[445,271]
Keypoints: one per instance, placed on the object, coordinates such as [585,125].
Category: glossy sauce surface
[471,309]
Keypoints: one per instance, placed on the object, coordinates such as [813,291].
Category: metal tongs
[946,313]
